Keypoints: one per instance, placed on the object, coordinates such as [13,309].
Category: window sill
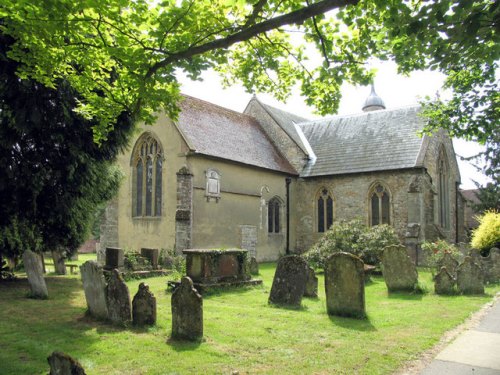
[147,218]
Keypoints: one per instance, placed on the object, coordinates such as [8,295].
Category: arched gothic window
[147,161]
[325,210]
[380,205]
[443,190]
[273,215]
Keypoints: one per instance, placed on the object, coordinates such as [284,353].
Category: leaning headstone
[311,283]
[187,312]
[118,298]
[63,364]
[444,282]
[345,285]
[59,266]
[152,256]
[398,270]
[144,307]
[289,281]
[254,266]
[450,263]
[114,258]
[469,277]
[94,286]
[34,271]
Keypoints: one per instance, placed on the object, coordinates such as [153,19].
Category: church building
[272,182]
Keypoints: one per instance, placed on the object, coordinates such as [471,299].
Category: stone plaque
[34,270]
[118,298]
[289,281]
[187,312]
[444,282]
[345,285]
[399,271]
[94,286]
[470,277]
[144,307]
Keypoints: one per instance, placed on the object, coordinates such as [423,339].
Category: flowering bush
[487,235]
[435,251]
[352,237]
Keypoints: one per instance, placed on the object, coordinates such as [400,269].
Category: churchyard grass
[241,333]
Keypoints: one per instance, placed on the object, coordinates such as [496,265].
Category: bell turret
[373,102]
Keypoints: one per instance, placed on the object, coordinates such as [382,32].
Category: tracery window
[443,190]
[325,210]
[147,163]
[380,205]
[212,189]
[273,215]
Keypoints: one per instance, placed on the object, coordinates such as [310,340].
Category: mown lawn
[242,332]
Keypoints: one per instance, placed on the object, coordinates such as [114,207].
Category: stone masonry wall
[184,211]
[109,230]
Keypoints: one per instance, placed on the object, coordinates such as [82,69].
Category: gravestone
[289,281]
[254,266]
[94,286]
[118,299]
[345,285]
[187,312]
[311,283]
[144,307]
[469,277]
[59,266]
[34,271]
[152,256]
[444,282]
[63,364]
[114,258]
[398,270]
[450,263]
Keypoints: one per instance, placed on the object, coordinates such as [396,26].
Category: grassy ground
[242,332]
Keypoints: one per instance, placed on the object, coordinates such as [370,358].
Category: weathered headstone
[399,271]
[494,271]
[118,298]
[94,286]
[187,312]
[114,258]
[144,307]
[152,256]
[59,266]
[63,364]
[289,281]
[254,266]
[34,271]
[469,277]
[345,285]
[311,283]
[450,263]
[444,282]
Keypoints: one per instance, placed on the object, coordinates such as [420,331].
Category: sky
[396,91]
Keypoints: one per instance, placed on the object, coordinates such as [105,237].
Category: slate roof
[371,141]
[222,133]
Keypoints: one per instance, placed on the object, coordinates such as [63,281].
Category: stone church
[273,182]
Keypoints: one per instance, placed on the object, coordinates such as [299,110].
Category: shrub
[136,262]
[173,261]
[352,237]
[487,234]
[435,251]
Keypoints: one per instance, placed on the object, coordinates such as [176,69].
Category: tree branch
[295,17]
[257,8]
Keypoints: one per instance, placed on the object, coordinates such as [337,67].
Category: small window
[273,216]
[380,203]
[212,189]
[325,210]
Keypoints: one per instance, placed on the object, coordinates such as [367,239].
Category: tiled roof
[372,141]
[470,195]
[219,132]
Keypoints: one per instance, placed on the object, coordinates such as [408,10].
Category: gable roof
[372,141]
[222,133]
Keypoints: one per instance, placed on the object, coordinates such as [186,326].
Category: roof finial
[373,102]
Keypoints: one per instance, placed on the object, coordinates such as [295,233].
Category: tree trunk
[34,271]
[59,266]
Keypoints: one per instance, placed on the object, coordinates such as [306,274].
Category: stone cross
[289,281]
[311,283]
[63,364]
[187,312]
[34,270]
[444,282]
[469,277]
[399,271]
[118,298]
[345,285]
[94,286]
[144,307]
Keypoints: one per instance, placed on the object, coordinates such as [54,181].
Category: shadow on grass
[363,325]
[405,296]
[183,345]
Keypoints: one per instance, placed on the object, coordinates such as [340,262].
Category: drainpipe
[288,180]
